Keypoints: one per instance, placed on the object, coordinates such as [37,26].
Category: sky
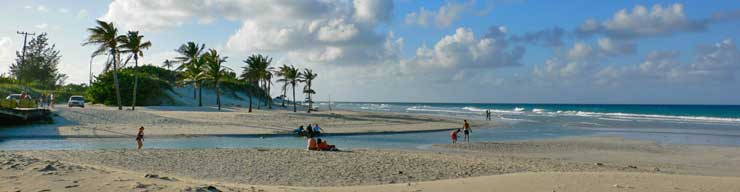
[484,51]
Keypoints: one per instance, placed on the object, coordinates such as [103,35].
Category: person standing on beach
[51,100]
[140,138]
[467,131]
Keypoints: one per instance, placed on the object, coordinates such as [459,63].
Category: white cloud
[6,52]
[373,10]
[444,17]
[63,10]
[42,26]
[616,47]
[712,64]
[579,60]
[642,22]
[464,50]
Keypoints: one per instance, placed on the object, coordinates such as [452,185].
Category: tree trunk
[115,80]
[195,91]
[136,81]
[200,95]
[250,102]
[285,90]
[294,103]
[218,96]
[310,101]
[269,97]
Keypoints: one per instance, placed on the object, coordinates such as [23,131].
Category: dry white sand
[550,165]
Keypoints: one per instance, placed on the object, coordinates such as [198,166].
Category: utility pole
[91,75]
[25,38]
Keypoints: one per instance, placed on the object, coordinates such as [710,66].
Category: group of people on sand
[46,101]
[308,131]
[315,143]
[466,131]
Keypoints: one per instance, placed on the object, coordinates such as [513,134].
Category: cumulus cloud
[464,50]
[616,48]
[577,61]
[42,26]
[6,51]
[321,31]
[717,63]
[643,22]
[550,37]
[444,17]
[373,10]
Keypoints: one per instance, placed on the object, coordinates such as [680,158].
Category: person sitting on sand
[140,138]
[299,131]
[324,146]
[312,145]
[454,135]
[467,131]
[310,131]
[317,130]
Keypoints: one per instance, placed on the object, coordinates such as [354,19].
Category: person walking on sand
[467,131]
[454,135]
[140,138]
[51,100]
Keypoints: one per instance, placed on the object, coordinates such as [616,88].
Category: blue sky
[678,52]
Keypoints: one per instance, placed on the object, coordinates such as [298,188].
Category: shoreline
[174,122]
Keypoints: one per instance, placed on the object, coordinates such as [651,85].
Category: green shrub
[153,83]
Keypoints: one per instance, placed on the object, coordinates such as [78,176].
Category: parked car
[15,97]
[76,100]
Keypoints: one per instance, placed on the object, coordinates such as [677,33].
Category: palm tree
[190,54]
[167,63]
[282,70]
[308,76]
[257,71]
[292,76]
[214,70]
[105,35]
[132,44]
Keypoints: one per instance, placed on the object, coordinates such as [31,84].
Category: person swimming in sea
[140,138]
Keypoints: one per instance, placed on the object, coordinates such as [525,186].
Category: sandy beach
[98,121]
[567,164]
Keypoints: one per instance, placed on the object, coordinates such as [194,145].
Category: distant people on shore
[488,114]
[324,146]
[317,130]
[140,138]
[467,131]
[454,135]
[299,131]
[51,100]
[309,131]
[312,144]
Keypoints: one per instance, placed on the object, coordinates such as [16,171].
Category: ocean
[682,124]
